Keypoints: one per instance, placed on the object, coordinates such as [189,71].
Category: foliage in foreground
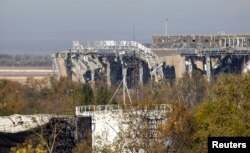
[224,112]
[61,97]
[199,109]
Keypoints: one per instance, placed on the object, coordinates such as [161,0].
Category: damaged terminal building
[169,57]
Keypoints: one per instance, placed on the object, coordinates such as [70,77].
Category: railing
[223,51]
[90,109]
[112,45]
[94,108]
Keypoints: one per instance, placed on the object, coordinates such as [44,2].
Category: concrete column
[93,76]
[141,73]
[204,66]
[237,42]
[233,42]
[190,69]
[155,75]
[76,131]
[243,42]
[225,43]
[189,65]
[108,74]
[124,83]
[208,68]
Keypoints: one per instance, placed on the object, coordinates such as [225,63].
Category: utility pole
[166,24]
[133,33]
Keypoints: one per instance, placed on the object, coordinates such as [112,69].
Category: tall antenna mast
[133,33]
[166,30]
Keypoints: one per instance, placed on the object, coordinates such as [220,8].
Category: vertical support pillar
[225,43]
[141,73]
[189,66]
[233,43]
[208,68]
[124,83]
[237,42]
[153,74]
[108,74]
[93,76]
[76,131]
[204,65]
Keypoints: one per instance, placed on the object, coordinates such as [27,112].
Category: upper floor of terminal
[202,41]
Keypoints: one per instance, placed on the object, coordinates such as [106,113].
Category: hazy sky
[45,26]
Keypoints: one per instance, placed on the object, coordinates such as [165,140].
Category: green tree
[224,112]
[219,118]
[88,94]
[10,99]
[103,95]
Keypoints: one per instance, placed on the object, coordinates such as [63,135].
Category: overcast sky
[45,26]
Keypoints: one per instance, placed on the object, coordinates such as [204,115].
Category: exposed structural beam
[155,71]
[93,77]
[190,66]
[124,83]
[125,86]
[140,73]
[108,74]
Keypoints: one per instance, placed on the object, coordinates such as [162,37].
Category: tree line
[25,60]
[60,97]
